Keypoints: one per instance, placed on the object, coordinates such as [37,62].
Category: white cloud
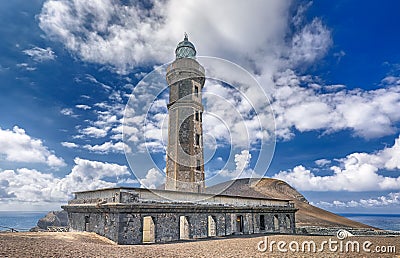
[391,199]
[125,36]
[89,175]
[95,132]
[109,114]
[322,162]
[54,161]
[94,81]
[311,43]
[152,179]
[146,131]
[68,112]
[29,185]
[242,170]
[107,147]
[242,160]
[40,54]
[26,66]
[357,172]
[391,80]
[82,106]
[17,146]
[307,108]
[70,144]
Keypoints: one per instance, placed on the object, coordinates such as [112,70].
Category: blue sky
[330,69]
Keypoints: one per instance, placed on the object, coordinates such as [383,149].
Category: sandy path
[90,245]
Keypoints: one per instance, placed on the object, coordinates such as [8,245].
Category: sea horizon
[20,220]
[379,220]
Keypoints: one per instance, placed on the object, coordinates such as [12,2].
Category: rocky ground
[57,244]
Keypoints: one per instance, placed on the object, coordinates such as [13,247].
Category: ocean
[19,220]
[23,221]
[382,221]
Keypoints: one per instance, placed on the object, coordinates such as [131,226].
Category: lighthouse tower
[185,159]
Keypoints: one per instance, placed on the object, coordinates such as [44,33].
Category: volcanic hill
[307,215]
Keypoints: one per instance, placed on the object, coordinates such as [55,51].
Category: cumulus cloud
[115,34]
[89,175]
[242,160]
[146,130]
[356,172]
[126,35]
[242,169]
[40,54]
[17,146]
[95,132]
[307,108]
[30,185]
[152,179]
[108,147]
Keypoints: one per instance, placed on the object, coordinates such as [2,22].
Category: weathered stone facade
[136,216]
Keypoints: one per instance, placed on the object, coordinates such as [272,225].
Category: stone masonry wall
[125,226]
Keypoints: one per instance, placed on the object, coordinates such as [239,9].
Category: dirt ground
[71,244]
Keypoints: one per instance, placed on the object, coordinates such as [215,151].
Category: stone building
[138,215]
[183,210]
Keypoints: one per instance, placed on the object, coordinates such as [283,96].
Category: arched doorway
[262,222]
[239,223]
[212,226]
[288,222]
[276,223]
[183,227]
[149,235]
